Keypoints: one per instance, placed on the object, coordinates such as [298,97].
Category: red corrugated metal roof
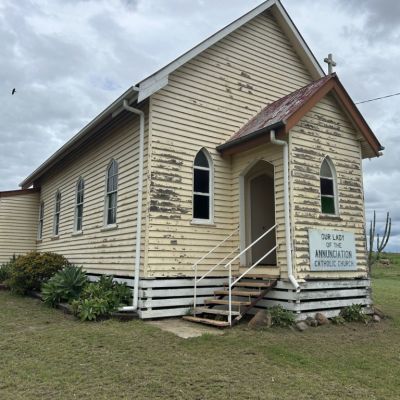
[280,110]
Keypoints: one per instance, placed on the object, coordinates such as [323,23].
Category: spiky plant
[65,285]
[381,242]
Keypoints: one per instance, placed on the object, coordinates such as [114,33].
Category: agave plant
[65,285]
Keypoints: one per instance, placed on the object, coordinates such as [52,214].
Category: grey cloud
[69,59]
[381,18]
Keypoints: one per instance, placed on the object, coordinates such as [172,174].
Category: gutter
[288,235]
[141,114]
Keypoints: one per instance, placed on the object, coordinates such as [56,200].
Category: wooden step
[226,302]
[260,276]
[254,284]
[240,293]
[205,310]
[219,324]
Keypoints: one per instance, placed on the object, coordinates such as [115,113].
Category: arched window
[57,213]
[111,193]
[329,204]
[80,193]
[41,220]
[202,187]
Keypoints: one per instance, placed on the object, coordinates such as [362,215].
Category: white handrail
[231,284]
[254,265]
[214,248]
[196,281]
[251,245]
[229,265]
[216,265]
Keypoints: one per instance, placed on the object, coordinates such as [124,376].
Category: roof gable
[159,79]
[145,88]
[286,112]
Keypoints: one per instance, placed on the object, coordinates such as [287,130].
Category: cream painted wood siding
[18,224]
[326,131]
[206,101]
[97,248]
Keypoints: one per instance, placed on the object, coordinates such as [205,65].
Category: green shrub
[354,313]
[91,309]
[100,299]
[30,271]
[6,269]
[338,320]
[64,286]
[281,317]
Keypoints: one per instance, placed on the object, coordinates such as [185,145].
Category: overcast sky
[69,59]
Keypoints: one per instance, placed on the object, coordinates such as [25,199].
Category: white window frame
[41,221]
[210,194]
[108,195]
[332,178]
[79,204]
[57,214]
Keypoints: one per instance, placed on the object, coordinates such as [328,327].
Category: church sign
[332,250]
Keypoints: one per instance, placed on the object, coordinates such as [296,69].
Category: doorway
[259,208]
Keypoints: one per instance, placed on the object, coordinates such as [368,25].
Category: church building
[229,180]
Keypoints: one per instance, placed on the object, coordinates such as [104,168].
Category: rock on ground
[301,326]
[310,321]
[321,319]
[376,318]
[378,312]
[261,319]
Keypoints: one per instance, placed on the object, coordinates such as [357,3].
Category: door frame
[245,206]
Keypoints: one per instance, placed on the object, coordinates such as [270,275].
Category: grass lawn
[47,355]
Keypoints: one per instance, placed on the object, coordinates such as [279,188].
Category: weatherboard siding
[206,101]
[97,249]
[18,224]
[326,130]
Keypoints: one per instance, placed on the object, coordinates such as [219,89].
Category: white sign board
[332,250]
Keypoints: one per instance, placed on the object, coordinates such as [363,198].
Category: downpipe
[135,301]
[288,235]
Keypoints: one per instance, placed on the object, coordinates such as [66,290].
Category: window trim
[335,196]
[210,194]
[57,214]
[77,204]
[114,224]
[41,221]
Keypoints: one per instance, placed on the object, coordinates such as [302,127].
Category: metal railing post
[230,295]
[195,267]
[195,292]
[229,264]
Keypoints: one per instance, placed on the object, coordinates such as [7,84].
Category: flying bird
[13,91]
